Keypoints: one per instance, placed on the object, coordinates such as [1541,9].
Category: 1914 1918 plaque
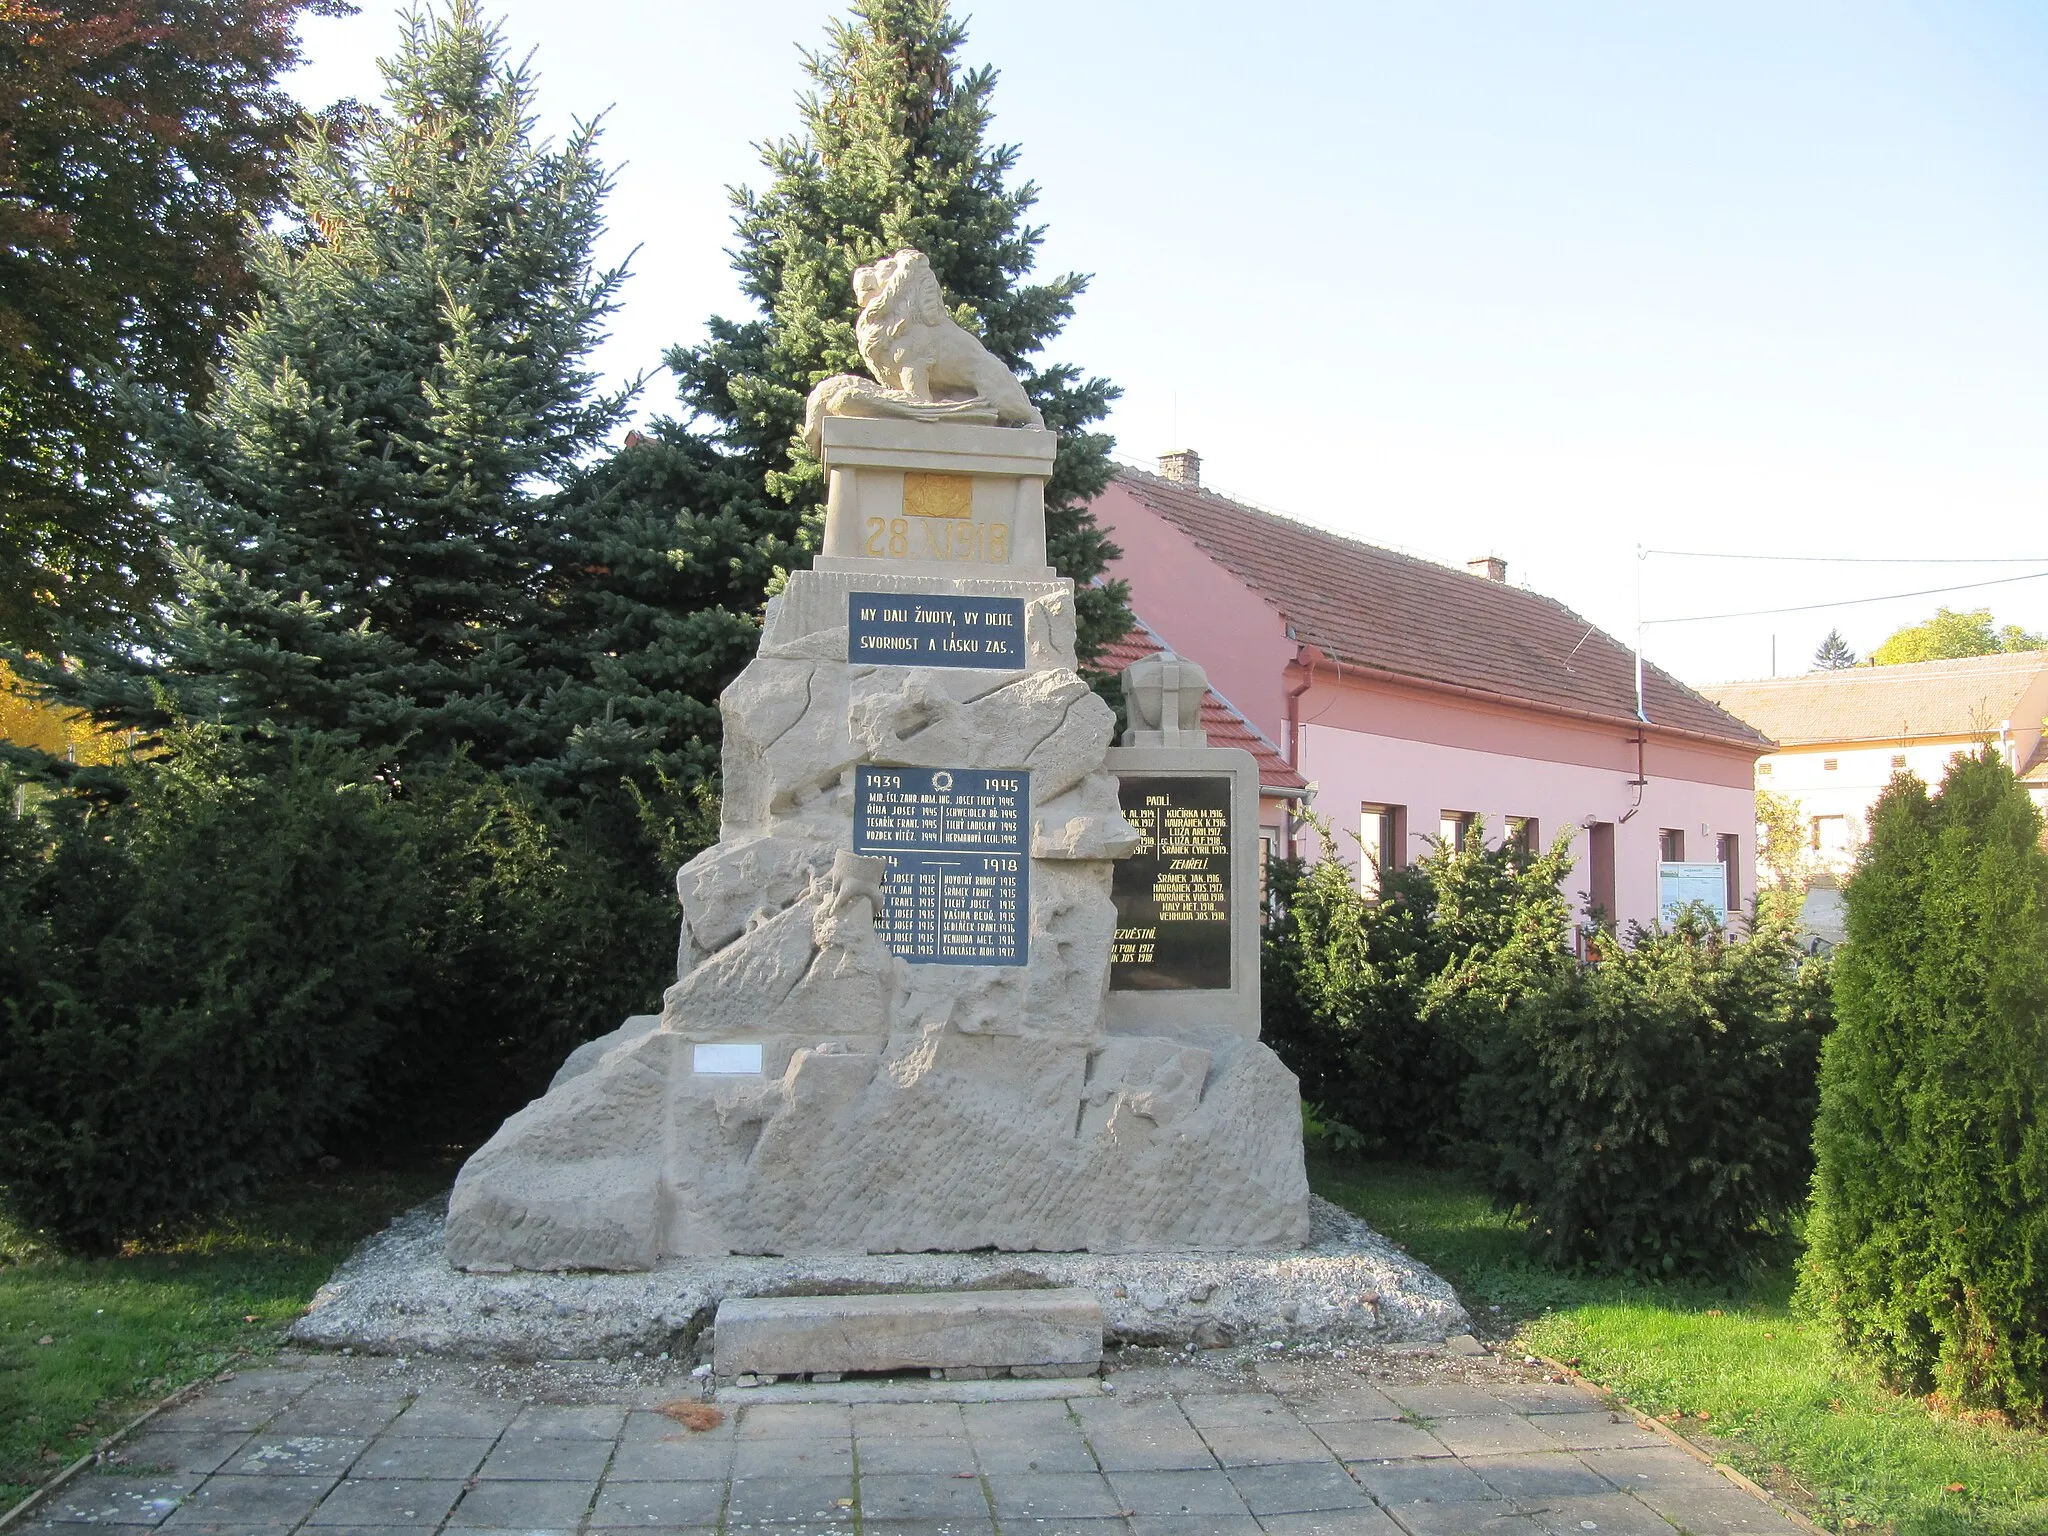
[1173,906]
[958,891]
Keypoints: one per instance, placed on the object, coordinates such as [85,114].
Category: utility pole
[1641,713]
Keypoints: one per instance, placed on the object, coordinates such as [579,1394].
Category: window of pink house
[1731,864]
[1382,833]
[1671,845]
[1453,827]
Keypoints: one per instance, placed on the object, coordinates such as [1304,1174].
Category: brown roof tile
[1972,696]
[1226,727]
[1375,608]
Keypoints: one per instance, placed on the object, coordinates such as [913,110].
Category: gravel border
[396,1295]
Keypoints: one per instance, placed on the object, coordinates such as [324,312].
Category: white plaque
[736,1060]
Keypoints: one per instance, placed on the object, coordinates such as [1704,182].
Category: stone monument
[904,1019]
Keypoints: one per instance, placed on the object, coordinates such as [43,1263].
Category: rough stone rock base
[397,1295]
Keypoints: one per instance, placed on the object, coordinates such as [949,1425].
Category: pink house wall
[1201,610]
[1365,740]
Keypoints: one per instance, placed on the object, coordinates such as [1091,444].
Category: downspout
[1639,782]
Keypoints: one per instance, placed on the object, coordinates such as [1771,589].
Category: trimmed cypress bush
[1928,1242]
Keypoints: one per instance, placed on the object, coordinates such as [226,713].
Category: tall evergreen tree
[1834,654]
[360,517]
[892,153]
[1928,1241]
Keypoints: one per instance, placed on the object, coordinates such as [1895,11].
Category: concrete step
[1029,1332]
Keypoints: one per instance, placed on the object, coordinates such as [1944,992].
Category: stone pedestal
[888,1034]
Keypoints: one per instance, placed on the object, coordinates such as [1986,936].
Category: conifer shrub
[219,963]
[1650,1112]
[198,966]
[1928,1240]
[1364,996]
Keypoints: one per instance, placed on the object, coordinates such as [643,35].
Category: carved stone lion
[925,366]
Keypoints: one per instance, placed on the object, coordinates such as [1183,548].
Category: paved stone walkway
[329,1450]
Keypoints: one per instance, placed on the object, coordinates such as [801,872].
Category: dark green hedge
[1929,1236]
[222,962]
[1652,1112]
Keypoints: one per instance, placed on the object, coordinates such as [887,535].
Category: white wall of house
[1836,784]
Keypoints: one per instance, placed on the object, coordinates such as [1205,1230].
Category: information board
[1173,894]
[958,891]
[1680,885]
[909,629]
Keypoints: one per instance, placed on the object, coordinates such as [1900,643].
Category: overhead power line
[1847,602]
[1716,554]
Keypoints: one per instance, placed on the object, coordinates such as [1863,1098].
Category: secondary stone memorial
[912,1013]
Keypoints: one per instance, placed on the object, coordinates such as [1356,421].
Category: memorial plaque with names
[909,629]
[1173,894]
[958,891]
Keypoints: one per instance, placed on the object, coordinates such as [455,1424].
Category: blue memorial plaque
[958,891]
[913,629]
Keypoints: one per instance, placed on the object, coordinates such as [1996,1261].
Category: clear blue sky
[1547,281]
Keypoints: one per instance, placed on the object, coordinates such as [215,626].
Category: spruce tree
[1834,654]
[893,152]
[360,518]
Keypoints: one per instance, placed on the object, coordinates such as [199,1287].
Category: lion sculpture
[925,366]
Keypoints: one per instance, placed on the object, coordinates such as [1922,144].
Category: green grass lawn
[1757,1382]
[87,1343]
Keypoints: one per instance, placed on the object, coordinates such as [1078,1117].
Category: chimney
[1492,567]
[1182,467]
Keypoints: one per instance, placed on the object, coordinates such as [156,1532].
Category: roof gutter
[1760,745]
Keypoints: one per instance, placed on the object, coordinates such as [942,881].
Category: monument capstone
[893,1028]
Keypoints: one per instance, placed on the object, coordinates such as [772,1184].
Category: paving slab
[1052,1496]
[1234,1446]
[1396,1484]
[912,1420]
[1193,1525]
[547,1461]
[1378,1440]
[171,1451]
[795,1456]
[1177,1493]
[511,1505]
[395,1456]
[1596,1431]
[671,1460]
[929,1455]
[1298,1489]
[914,1496]
[233,1503]
[790,1500]
[645,1505]
[388,1502]
[128,1501]
[1608,1514]
[1546,1475]
[1368,1520]
[1490,1435]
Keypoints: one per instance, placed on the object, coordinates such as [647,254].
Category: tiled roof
[1374,608]
[1973,696]
[1226,727]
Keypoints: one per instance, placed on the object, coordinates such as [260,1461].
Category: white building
[1843,735]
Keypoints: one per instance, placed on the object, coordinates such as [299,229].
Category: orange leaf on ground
[697,1416]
